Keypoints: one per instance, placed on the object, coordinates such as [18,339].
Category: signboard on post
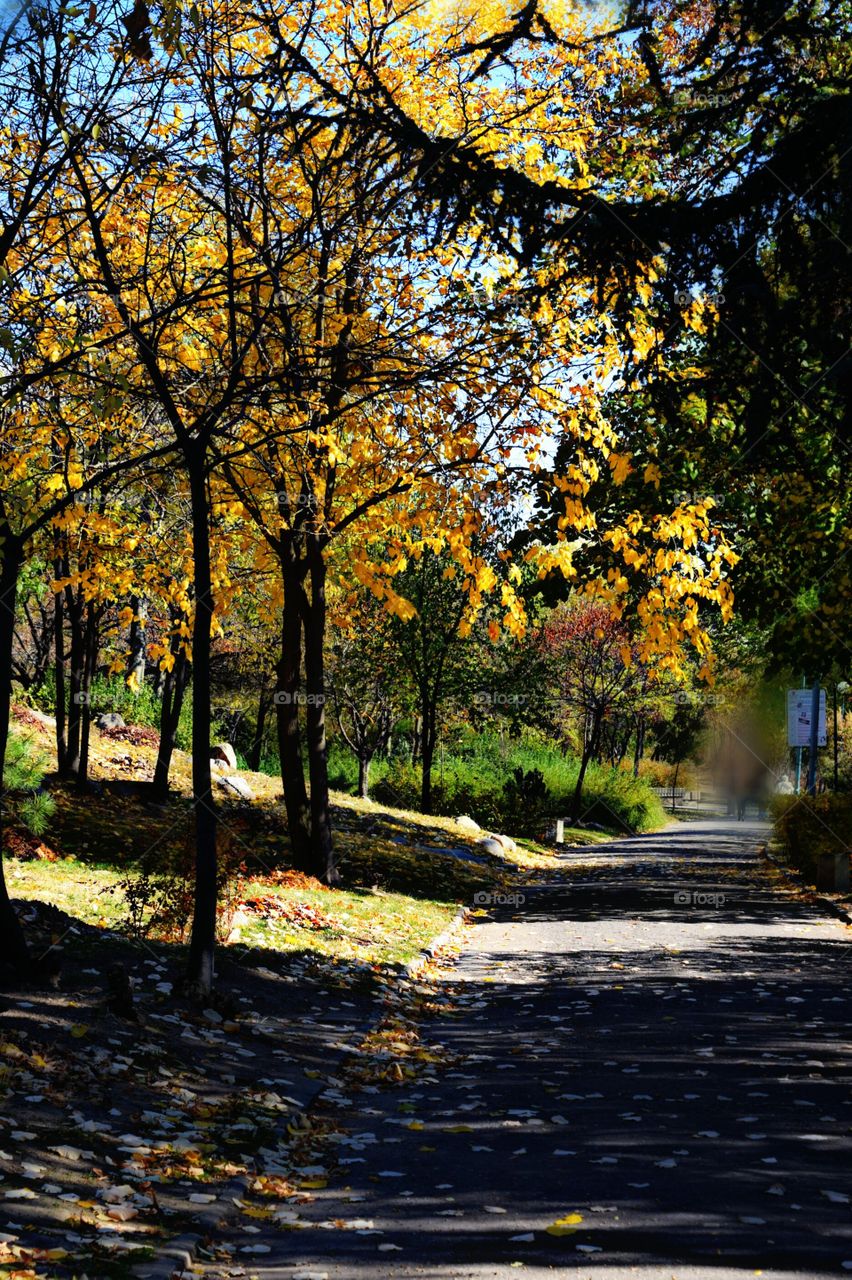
[799,703]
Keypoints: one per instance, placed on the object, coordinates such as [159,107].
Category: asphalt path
[646,1073]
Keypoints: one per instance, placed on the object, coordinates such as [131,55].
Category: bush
[30,806]
[479,778]
[660,773]
[159,892]
[811,825]
[526,792]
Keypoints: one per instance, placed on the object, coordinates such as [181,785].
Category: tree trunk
[286,699]
[322,847]
[174,688]
[640,746]
[364,777]
[255,754]
[429,715]
[138,631]
[90,662]
[203,940]
[73,609]
[59,658]
[588,752]
[13,946]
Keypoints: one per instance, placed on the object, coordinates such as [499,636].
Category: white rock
[224,751]
[236,783]
[488,844]
[468,824]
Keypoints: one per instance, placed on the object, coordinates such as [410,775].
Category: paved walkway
[649,1077]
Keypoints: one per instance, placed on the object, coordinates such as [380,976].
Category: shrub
[479,778]
[159,892]
[30,806]
[660,773]
[811,825]
[526,792]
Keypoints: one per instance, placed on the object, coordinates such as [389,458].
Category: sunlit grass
[404,874]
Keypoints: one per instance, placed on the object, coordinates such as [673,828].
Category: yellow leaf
[620,465]
[565,1226]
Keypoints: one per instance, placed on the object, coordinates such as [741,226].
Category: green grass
[372,926]
[369,925]
[87,892]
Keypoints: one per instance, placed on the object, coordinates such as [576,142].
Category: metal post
[836,767]
[799,759]
[812,751]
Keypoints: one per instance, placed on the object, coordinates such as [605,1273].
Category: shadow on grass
[123,826]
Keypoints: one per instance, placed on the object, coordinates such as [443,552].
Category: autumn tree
[406,374]
[61,72]
[367,689]
[594,675]
[167,266]
[705,190]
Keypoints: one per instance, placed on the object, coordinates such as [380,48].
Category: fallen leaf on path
[565,1226]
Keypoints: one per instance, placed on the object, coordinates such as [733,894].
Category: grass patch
[404,874]
[369,925]
[89,893]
